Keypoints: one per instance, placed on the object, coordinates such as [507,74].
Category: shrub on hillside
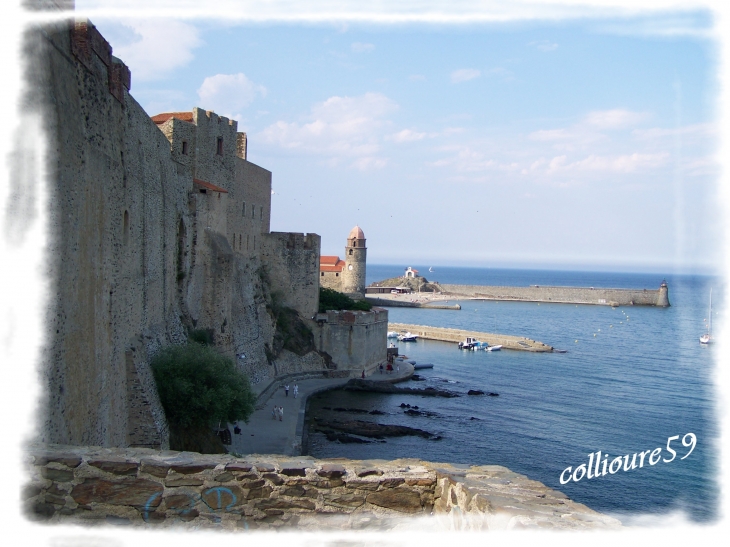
[198,387]
[330,299]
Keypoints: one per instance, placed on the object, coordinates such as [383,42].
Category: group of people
[278,412]
[296,390]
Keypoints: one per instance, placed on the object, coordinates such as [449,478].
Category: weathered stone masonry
[139,487]
[157,226]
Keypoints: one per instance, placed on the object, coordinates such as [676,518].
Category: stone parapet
[164,489]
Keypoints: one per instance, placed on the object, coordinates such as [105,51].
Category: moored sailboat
[707,337]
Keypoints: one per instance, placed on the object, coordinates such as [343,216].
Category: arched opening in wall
[350,252]
[125,228]
[181,250]
[219,146]
[185,148]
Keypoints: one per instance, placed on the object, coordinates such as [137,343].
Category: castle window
[321,274]
[261,214]
[350,251]
[219,149]
[244,208]
[337,275]
[185,148]
[253,211]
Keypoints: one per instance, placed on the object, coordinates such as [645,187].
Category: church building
[348,275]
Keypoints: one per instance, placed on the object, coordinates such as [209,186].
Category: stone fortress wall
[141,487]
[157,227]
[571,295]
[356,340]
[292,265]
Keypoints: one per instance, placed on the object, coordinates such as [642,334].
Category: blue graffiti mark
[147,505]
[190,507]
[218,490]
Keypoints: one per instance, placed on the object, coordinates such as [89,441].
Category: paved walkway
[264,435]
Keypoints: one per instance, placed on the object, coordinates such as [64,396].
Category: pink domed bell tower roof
[356,233]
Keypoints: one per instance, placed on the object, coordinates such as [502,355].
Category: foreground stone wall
[142,488]
[571,295]
[356,340]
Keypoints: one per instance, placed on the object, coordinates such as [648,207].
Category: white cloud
[464,75]
[700,130]
[162,45]
[340,128]
[228,94]
[407,135]
[359,47]
[617,118]
[627,163]
[544,45]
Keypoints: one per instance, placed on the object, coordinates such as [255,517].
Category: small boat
[469,343]
[495,348]
[407,337]
[430,269]
[425,365]
[480,345]
[707,337]
[392,334]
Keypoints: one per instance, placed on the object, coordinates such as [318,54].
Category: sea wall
[143,488]
[442,334]
[569,295]
[356,340]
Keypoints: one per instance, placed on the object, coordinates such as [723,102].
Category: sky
[572,142]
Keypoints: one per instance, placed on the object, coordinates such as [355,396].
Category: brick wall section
[145,488]
[356,340]
[571,295]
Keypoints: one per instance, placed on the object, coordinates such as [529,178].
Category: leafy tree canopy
[330,299]
[199,387]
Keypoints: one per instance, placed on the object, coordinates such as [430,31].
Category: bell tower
[353,275]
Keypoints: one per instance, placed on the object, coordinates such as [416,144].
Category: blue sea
[632,377]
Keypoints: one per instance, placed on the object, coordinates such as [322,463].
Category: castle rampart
[356,340]
[292,265]
[157,226]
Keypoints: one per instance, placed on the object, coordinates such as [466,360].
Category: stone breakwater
[564,295]
[457,335]
[393,303]
[167,489]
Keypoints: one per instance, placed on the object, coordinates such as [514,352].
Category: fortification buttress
[353,275]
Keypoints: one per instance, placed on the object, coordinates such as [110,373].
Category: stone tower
[353,276]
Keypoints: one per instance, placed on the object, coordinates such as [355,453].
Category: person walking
[274,412]
[363,374]
[296,390]
[381,368]
[281,413]
[286,390]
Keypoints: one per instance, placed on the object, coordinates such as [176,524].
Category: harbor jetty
[405,303]
[562,295]
[457,335]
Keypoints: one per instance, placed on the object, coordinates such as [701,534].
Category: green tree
[198,387]
[330,299]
